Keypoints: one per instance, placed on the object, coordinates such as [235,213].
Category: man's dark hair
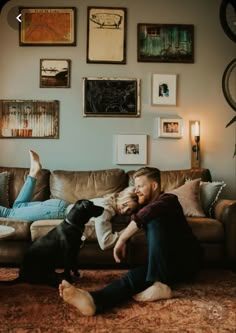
[149,172]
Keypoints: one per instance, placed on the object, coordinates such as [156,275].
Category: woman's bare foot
[154,293]
[79,298]
[35,165]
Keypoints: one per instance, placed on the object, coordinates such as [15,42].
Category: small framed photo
[106,35]
[47,26]
[29,119]
[111,97]
[55,73]
[169,127]
[163,89]
[165,43]
[131,149]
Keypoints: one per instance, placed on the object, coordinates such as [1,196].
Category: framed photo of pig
[106,35]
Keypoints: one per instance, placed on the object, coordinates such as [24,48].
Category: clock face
[228,84]
[228,18]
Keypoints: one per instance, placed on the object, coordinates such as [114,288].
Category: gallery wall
[88,143]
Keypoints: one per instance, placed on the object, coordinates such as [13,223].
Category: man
[174,254]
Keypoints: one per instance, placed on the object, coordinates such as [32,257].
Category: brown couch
[217,234]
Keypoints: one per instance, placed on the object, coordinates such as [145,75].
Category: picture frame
[106,35]
[163,89]
[29,119]
[40,26]
[169,127]
[111,97]
[55,73]
[131,149]
[165,43]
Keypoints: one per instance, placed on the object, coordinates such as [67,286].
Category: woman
[124,202]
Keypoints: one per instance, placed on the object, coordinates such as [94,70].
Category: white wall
[87,143]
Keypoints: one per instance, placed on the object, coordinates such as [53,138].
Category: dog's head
[82,211]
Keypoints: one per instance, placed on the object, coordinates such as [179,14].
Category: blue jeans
[169,261]
[23,209]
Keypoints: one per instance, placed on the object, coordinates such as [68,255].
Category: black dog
[60,244]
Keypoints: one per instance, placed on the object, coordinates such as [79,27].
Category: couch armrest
[225,211]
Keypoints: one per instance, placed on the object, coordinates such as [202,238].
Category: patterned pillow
[189,198]
[4,186]
[209,194]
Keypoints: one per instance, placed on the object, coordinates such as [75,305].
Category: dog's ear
[86,204]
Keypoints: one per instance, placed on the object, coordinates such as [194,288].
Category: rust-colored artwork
[47,26]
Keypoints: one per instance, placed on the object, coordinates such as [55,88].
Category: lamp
[195,143]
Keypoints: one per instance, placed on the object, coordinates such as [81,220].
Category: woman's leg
[27,190]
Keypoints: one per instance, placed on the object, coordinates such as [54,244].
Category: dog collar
[83,238]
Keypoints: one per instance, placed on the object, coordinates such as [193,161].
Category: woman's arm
[103,227]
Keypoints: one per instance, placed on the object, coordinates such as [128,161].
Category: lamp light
[195,143]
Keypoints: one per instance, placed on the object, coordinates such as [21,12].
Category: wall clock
[228,18]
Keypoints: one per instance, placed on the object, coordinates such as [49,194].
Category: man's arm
[120,247]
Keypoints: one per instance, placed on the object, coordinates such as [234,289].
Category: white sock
[156,292]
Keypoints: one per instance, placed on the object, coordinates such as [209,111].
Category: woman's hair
[128,194]
[149,172]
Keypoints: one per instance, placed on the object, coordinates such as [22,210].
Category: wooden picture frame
[29,119]
[165,43]
[111,97]
[168,128]
[164,89]
[55,73]
[131,149]
[106,35]
[47,26]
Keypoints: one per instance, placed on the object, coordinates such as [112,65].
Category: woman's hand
[119,250]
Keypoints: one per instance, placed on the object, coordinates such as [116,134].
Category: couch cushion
[22,228]
[4,189]
[42,227]
[17,179]
[74,185]
[189,198]
[207,229]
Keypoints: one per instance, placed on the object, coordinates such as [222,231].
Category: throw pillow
[189,198]
[209,194]
[4,186]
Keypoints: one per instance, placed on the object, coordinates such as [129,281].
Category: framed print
[131,149]
[47,26]
[55,73]
[165,43]
[106,35]
[29,119]
[163,89]
[169,127]
[111,97]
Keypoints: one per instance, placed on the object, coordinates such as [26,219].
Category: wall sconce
[194,130]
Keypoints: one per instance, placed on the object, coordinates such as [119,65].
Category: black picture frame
[106,35]
[55,73]
[165,43]
[111,97]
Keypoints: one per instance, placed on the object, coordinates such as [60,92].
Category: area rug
[207,305]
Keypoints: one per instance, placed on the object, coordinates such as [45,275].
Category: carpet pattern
[207,305]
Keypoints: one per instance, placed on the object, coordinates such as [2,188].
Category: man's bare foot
[35,165]
[156,292]
[79,298]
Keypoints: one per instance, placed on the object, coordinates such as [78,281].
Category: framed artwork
[51,26]
[165,43]
[29,119]
[163,89]
[169,127]
[111,97]
[55,73]
[106,35]
[131,149]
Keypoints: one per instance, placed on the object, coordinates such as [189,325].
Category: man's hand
[119,250]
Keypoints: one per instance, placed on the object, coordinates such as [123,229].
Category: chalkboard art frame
[111,97]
